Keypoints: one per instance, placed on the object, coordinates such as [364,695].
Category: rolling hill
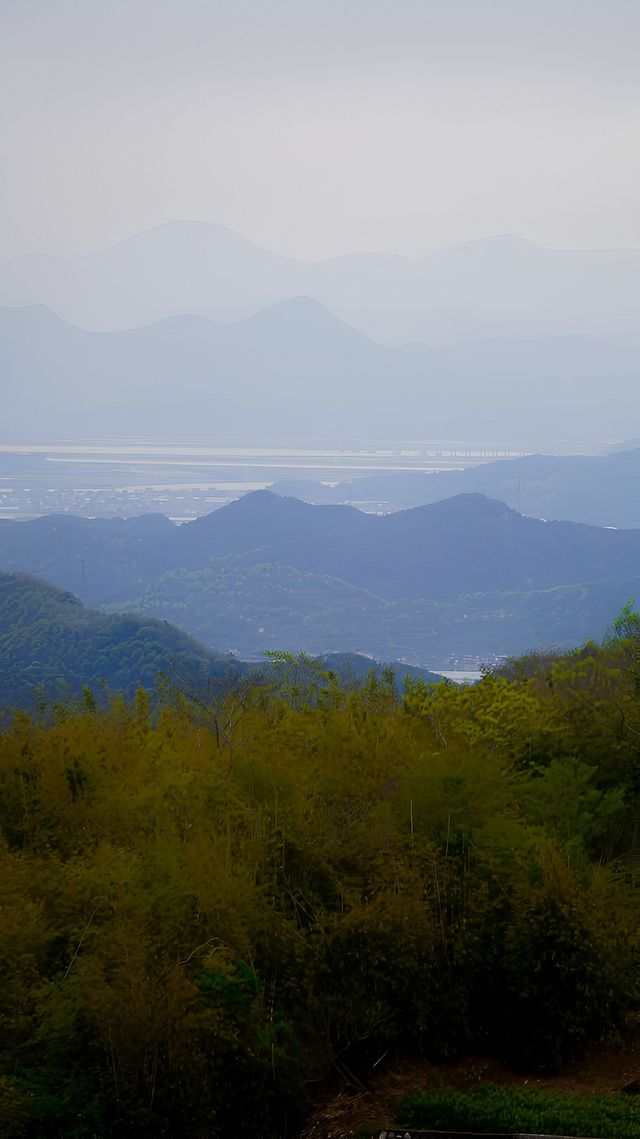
[461,545]
[51,646]
[251,608]
[467,576]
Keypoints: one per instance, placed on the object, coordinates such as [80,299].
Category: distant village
[22,503]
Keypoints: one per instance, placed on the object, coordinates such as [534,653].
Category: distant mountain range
[297,372]
[463,576]
[496,287]
[602,490]
[462,545]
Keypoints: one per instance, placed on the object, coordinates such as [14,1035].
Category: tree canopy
[213,906]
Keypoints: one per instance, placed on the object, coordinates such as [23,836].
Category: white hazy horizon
[168,223]
[318,129]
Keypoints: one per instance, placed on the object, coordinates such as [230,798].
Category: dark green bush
[492,1108]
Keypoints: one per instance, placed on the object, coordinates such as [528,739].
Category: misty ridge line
[303,371]
[287,309]
[189,323]
[216,227]
[487,288]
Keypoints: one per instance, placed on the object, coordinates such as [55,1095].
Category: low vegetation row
[510,1110]
[217,905]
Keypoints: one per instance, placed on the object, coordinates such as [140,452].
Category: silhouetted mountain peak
[302,316]
[256,503]
[263,513]
[501,249]
[467,507]
[182,237]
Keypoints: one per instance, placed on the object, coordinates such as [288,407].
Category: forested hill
[52,647]
[462,545]
[50,644]
[467,576]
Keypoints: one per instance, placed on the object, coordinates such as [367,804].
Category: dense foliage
[212,907]
[51,646]
[515,1110]
[247,607]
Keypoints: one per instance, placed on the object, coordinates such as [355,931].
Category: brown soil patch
[376,1103]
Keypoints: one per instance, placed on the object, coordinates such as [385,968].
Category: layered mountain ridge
[303,374]
[601,490]
[503,284]
[467,575]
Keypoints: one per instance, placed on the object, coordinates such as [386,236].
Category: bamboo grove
[214,905]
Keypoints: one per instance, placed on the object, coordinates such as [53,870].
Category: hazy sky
[318,127]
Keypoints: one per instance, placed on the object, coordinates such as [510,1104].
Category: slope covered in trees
[210,910]
[249,607]
[51,646]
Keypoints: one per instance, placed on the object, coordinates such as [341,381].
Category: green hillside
[249,608]
[51,646]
